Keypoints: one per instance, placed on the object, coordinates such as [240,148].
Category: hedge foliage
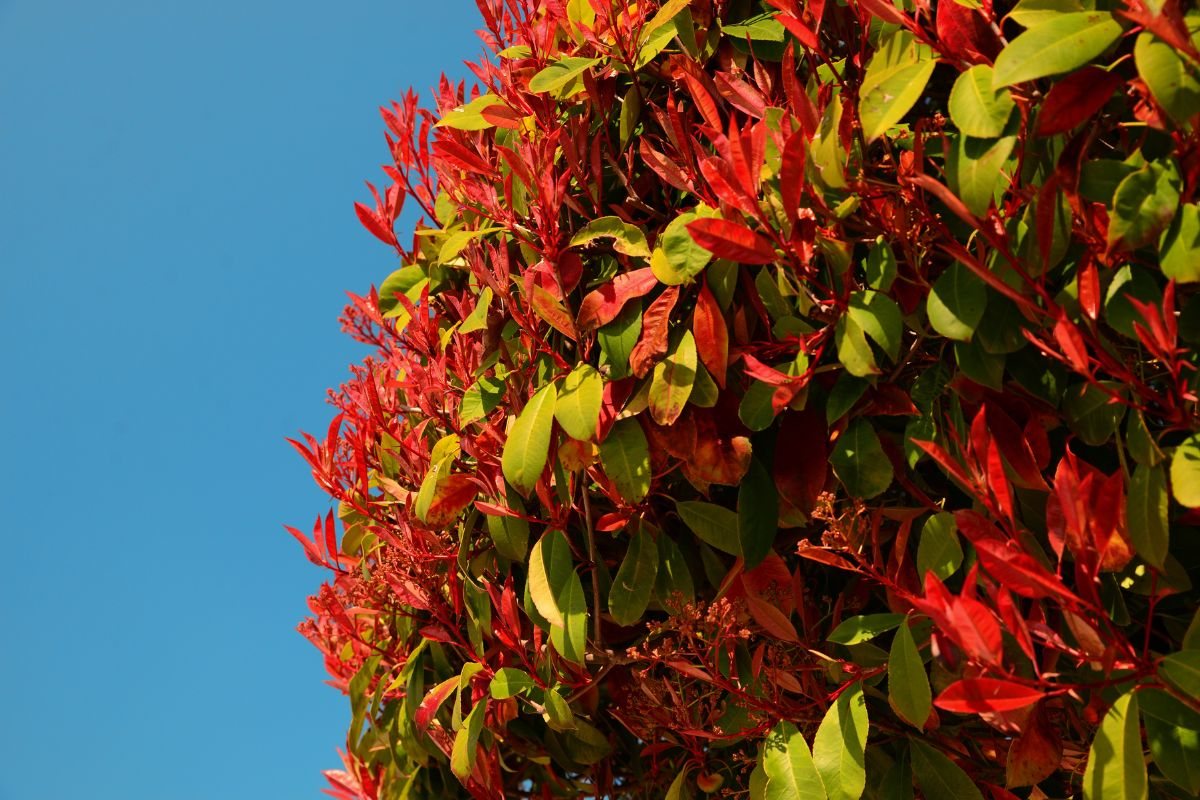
[793,399]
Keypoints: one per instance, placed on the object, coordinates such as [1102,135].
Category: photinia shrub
[784,399]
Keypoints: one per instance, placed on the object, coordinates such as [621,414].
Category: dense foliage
[790,399]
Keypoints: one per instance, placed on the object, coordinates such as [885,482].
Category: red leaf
[433,701]
[553,312]
[453,494]
[800,31]
[602,306]
[1089,288]
[982,695]
[1036,754]
[374,223]
[733,240]
[800,480]
[712,336]
[1075,99]
[965,34]
[791,173]
[655,322]
[771,619]
[741,95]
[974,629]
[1071,342]
[664,167]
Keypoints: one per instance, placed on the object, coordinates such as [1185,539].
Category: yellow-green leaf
[577,407]
[462,756]
[895,78]
[1185,472]
[839,748]
[975,107]
[550,569]
[1115,765]
[672,382]
[528,442]
[791,773]
[560,73]
[627,238]
[1058,44]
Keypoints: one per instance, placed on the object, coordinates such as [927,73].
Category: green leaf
[939,777]
[757,513]
[678,788]
[672,381]
[528,442]
[895,78]
[628,239]
[1115,767]
[938,550]
[674,577]
[1168,76]
[839,748]
[859,461]
[976,108]
[480,400]
[879,317]
[880,267]
[462,756]
[560,73]
[986,369]
[550,570]
[558,713]
[1179,249]
[586,744]
[631,588]
[854,630]
[626,459]
[1057,45]
[510,534]
[1182,670]
[509,682]
[570,638]
[716,525]
[1165,706]
[791,773]
[1144,205]
[956,303]
[1090,414]
[618,338]
[1185,472]
[908,685]
[1129,283]
[844,394]
[1176,751]
[677,258]
[577,408]
[853,351]
[1147,510]
[975,168]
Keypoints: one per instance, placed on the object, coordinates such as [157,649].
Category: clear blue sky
[176,237]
